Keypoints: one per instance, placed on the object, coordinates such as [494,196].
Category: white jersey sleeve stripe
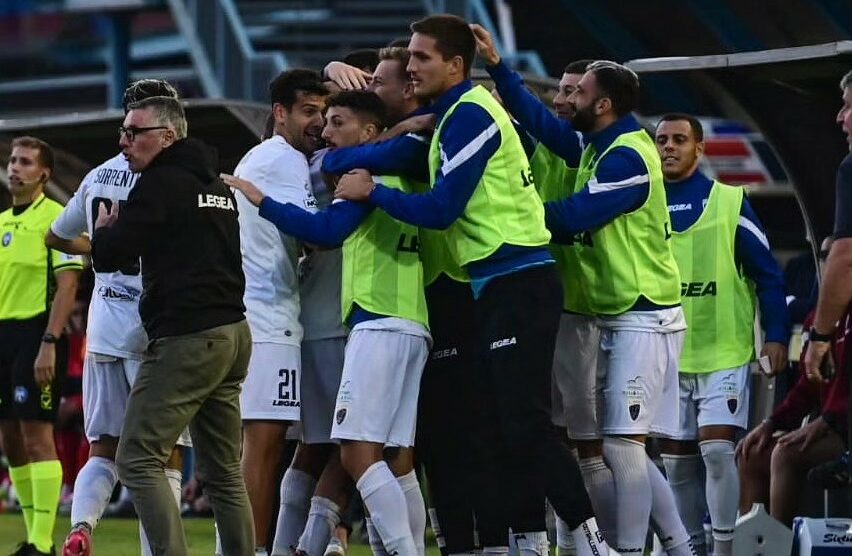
[755,231]
[599,187]
[469,150]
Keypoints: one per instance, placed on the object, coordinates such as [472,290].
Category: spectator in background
[773,461]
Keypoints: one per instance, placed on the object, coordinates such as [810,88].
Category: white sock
[175,478]
[377,547]
[416,509]
[494,550]
[217,550]
[627,458]
[723,492]
[92,490]
[564,538]
[684,476]
[436,529]
[323,517]
[669,526]
[599,482]
[260,551]
[588,540]
[388,510]
[297,487]
[532,543]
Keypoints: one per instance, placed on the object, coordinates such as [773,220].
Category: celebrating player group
[411,272]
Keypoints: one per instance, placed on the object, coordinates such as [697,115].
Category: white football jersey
[320,273]
[270,257]
[114,325]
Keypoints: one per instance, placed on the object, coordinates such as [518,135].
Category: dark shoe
[22,550]
[35,551]
[832,475]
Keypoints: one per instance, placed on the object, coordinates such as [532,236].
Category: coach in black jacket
[182,221]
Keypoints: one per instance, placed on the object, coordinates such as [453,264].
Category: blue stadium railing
[220,49]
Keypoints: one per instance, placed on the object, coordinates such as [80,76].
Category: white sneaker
[335,548]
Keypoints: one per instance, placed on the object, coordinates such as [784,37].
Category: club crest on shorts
[341,415]
[731,391]
[21,395]
[635,393]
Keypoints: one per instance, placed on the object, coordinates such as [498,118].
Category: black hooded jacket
[182,221]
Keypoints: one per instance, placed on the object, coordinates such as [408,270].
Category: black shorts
[20,397]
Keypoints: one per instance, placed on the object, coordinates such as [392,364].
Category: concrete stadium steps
[311,33]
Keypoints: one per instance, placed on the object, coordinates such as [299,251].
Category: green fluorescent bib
[554,181]
[504,208]
[718,301]
[630,257]
[382,272]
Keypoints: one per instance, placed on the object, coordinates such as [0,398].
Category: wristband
[814,336]
[49,338]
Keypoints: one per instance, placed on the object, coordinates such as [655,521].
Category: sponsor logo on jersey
[118,293]
[215,201]
[21,395]
[444,353]
[7,239]
[310,203]
[582,238]
[340,415]
[697,289]
[635,394]
[680,206]
[504,342]
[285,403]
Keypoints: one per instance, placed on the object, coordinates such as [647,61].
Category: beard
[583,119]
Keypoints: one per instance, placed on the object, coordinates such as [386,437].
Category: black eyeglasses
[131,132]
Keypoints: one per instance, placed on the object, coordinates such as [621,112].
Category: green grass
[120,537]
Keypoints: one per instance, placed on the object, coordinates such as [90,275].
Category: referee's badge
[7,239]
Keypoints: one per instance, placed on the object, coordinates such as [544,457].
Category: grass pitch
[120,537]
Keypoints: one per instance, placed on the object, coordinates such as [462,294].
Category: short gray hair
[846,81]
[168,111]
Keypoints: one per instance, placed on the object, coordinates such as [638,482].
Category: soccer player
[628,277]
[115,340]
[480,194]
[271,396]
[450,405]
[575,359]
[383,303]
[37,289]
[725,266]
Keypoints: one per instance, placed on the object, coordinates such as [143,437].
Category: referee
[182,221]
[37,289]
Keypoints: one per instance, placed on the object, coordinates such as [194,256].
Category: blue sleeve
[328,228]
[752,253]
[557,135]
[468,140]
[620,185]
[407,155]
